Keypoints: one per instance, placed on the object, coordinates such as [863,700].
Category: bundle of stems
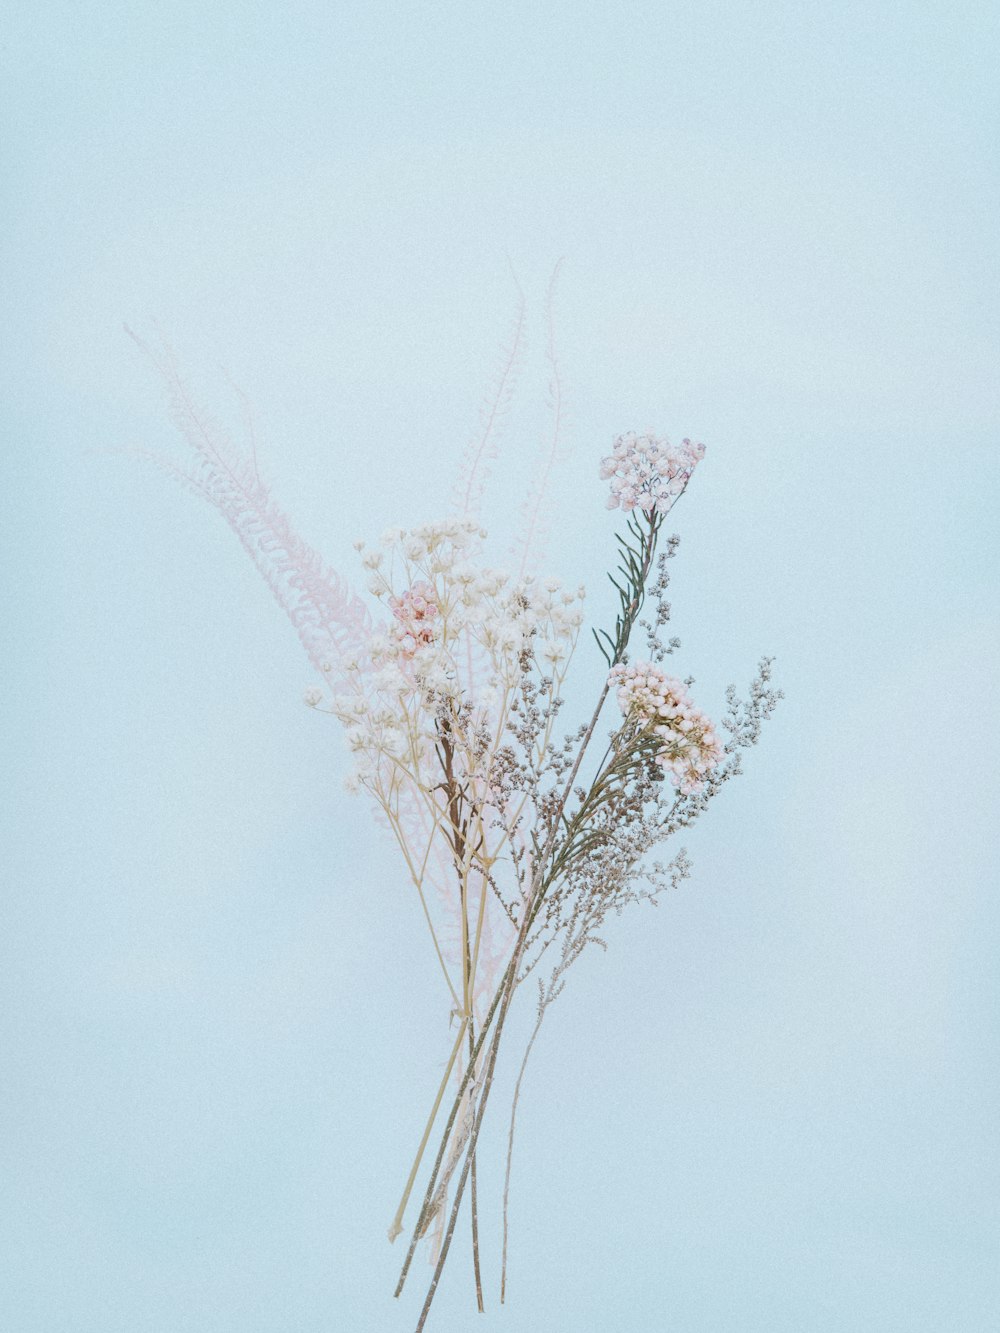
[450,705]
[573,828]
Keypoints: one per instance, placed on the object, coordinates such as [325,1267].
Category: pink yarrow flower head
[648,473]
[690,748]
[415,611]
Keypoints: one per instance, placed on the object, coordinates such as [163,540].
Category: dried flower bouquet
[519,842]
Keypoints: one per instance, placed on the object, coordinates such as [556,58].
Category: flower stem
[418,1230]
[505,993]
[510,1147]
[397,1221]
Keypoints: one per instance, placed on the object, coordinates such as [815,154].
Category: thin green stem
[510,1147]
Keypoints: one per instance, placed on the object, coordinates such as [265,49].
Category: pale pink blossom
[660,702]
[415,611]
[648,473]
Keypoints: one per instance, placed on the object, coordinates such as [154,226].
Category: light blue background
[773,1105]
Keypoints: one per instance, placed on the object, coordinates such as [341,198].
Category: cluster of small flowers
[530,614]
[416,612]
[648,473]
[449,615]
[374,729]
[690,748]
[431,547]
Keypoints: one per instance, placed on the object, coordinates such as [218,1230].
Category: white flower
[312,696]
[393,741]
[390,679]
[689,749]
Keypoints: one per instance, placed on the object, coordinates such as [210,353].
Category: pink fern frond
[530,540]
[482,449]
[329,618]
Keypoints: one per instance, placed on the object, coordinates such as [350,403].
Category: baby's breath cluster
[460,638]
[648,473]
[689,748]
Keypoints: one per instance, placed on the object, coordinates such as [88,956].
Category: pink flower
[415,611]
[647,472]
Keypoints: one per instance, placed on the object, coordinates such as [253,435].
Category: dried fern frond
[472,471]
[330,619]
[529,543]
